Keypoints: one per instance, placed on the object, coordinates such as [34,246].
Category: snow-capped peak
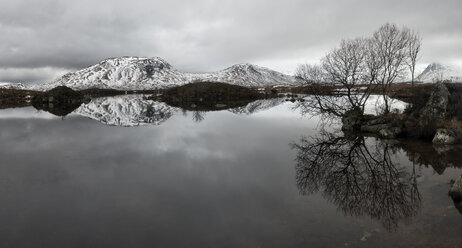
[439,72]
[247,75]
[139,73]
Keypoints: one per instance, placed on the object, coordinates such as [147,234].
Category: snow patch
[16,86]
[437,72]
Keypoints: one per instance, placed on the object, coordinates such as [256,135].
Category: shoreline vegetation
[210,96]
[13,98]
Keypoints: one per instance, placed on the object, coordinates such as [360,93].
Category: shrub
[455,101]
[422,128]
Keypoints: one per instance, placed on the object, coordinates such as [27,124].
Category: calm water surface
[126,172]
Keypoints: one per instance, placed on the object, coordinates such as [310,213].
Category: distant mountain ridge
[137,73]
[439,72]
[16,86]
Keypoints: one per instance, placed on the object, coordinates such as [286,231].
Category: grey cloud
[25,75]
[207,35]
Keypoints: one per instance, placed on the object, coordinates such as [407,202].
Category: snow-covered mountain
[248,75]
[135,73]
[438,72]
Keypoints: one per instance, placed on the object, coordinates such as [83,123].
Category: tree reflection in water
[358,176]
[198,116]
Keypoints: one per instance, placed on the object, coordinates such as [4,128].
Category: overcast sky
[42,39]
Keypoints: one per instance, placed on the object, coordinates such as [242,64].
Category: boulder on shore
[429,122]
[444,137]
[352,120]
[456,191]
[437,103]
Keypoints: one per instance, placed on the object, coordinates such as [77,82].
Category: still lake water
[127,172]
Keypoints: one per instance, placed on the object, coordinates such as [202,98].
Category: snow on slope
[127,110]
[248,75]
[16,86]
[126,73]
[135,73]
[438,72]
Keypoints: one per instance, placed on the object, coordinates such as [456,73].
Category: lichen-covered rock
[352,120]
[456,191]
[390,133]
[437,103]
[444,137]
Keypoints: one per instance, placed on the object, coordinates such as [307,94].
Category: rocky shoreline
[430,121]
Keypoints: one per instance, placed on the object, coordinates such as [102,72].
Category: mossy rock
[352,120]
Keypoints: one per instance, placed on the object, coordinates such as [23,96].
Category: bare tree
[345,67]
[414,46]
[310,74]
[358,66]
[390,45]
[198,116]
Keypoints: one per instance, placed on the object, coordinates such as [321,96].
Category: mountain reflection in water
[126,110]
[138,110]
